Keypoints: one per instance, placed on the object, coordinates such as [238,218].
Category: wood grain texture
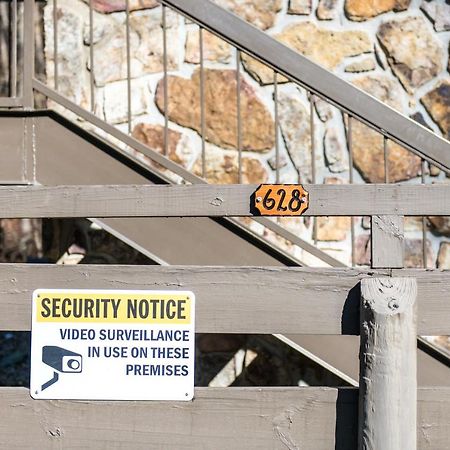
[222,418]
[215,200]
[387,242]
[274,300]
[388,364]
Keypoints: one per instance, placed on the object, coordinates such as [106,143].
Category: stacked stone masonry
[395,50]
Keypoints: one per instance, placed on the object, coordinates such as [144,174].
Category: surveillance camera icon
[61,360]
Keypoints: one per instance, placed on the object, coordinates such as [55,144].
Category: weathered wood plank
[388,364]
[387,242]
[273,300]
[222,418]
[215,200]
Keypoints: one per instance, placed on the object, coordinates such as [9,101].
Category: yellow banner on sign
[113,307]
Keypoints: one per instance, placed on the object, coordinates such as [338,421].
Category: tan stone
[222,167]
[368,145]
[363,251]
[413,52]
[327,9]
[333,228]
[109,6]
[220,109]
[360,10]
[299,7]
[179,149]
[437,103]
[214,48]
[413,223]
[365,65]
[146,48]
[263,74]
[368,157]
[440,224]
[414,253]
[443,260]
[261,13]
[326,47]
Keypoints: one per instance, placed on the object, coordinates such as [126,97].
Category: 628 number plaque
[280,200]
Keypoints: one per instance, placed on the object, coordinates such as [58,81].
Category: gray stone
[295,127]
[323,109]
[116,100]
[146,47]
[72,73]
[336,154]
[282,162]
[327,9]
[101,26]
[439,13]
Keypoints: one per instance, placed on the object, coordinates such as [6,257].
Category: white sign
[112,345]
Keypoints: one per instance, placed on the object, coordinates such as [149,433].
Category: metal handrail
[316,79]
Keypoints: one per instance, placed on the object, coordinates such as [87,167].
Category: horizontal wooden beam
[217,418]
[273,300]
[215,200]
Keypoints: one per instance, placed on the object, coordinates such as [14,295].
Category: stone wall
[396,50]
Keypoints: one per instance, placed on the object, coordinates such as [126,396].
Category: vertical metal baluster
[166,95]
[313,155]
[202,102]
[91,54]
[55,42]
[127,25]
[277,144]
[424,226]
[239,125]
[13,79]
[386,160]
[350,176]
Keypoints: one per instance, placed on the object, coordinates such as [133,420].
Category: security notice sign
[112,345]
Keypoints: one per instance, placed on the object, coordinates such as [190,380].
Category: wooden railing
[379,304]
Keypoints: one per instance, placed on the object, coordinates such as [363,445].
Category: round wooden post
[388,364]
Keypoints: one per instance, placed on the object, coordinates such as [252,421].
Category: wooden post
[387,242]
[388,364]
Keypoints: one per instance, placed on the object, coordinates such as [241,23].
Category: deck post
[388,364]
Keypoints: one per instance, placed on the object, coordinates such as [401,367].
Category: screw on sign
[279,200]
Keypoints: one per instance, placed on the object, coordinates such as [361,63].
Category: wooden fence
[378,303]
